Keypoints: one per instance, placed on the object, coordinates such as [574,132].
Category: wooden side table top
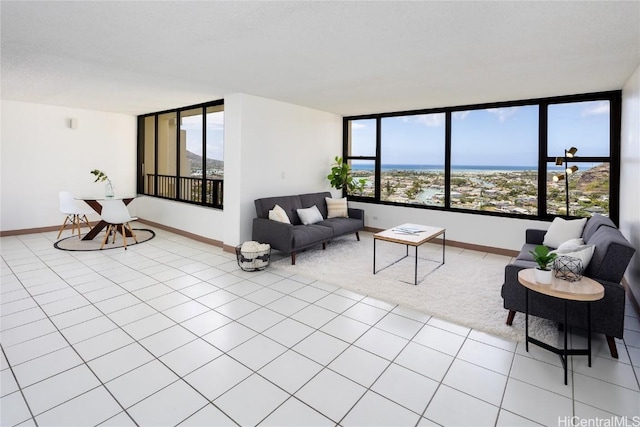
[395,235]
[585,289]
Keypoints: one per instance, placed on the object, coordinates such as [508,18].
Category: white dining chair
[75,215]
[115,214]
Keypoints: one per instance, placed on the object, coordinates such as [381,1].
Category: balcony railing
[186,188]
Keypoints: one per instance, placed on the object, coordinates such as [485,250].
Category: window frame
[615,113]
[218,203]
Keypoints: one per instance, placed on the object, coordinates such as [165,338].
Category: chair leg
[293,258]
[358,236]
[76,221]
[510,316]
[124,237]
[106,236]
[612,346]
[64,224]
[135,239]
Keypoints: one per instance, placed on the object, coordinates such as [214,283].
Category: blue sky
[215,134]
[487,137]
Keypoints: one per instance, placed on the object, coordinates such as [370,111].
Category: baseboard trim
[463,245]
[33,230]
[179,232]
[634,301]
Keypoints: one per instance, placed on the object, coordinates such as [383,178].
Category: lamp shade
[571,152]
[558,177]
[559,161]
[572,169]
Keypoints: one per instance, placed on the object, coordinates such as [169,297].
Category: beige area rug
[465,290]
[73,243]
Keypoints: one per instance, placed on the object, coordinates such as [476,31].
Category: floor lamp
[568,154]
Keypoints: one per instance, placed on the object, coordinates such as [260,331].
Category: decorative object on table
[253,256]
[543,257]
[341,177]
[102,177]
[568,154]
[568,268]
[75,215]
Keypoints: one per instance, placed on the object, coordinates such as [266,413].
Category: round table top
[585,289]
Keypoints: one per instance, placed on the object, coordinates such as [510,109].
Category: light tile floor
[172,332]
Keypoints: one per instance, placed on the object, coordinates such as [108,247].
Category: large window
[181,154]
[496,159]
[586,127]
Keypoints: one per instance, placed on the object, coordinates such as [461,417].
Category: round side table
[584,290]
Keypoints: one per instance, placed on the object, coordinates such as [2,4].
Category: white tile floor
[171,332]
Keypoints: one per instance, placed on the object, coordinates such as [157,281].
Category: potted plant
[543,257]
[102,177]
[342,179]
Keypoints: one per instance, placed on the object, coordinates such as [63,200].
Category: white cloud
[431,120]
[503,113]
[355,125]
[461,115]
[593,109]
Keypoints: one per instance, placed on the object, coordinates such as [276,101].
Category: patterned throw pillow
[337,208]
[278,214]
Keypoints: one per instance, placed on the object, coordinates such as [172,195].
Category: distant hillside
[594,179]
[196,160]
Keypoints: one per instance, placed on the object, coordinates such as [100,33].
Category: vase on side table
[543,276]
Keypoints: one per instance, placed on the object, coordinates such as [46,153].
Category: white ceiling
[349,58]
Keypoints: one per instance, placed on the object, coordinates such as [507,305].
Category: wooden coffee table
[585,290]
[410,235]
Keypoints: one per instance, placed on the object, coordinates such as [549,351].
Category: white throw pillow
[337,208]
[570,245]
[562,230]
[310,215]
[278,214]
[583,253]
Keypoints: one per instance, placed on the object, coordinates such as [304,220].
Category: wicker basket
[253,261]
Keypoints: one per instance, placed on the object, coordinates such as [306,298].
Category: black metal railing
[186,188]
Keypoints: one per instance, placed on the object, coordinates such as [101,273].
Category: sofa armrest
[535,236]
[356,213]
[278,234]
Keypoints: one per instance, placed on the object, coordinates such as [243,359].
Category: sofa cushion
[595,222]
[278,214]
[289,203]
[611,256]
[306,235]
[562,230]
[342,226]
[310,215]
[337,208]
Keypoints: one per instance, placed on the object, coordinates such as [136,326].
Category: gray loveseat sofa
[294,237]
[609,261]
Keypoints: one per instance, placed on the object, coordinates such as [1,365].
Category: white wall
[273,148]
[42,155]
[630,175]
